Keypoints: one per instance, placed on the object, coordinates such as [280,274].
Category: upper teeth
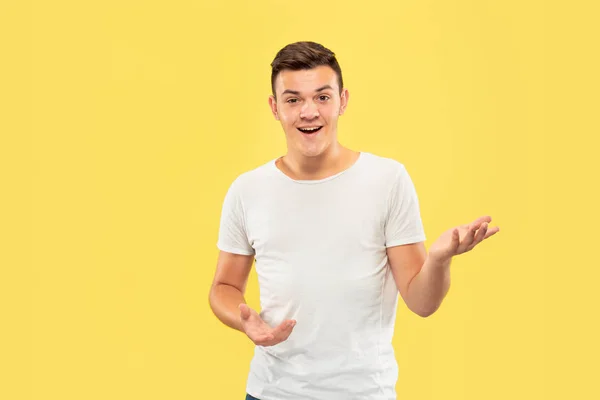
[311,129]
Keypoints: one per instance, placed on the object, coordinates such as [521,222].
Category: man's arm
[227,301]
[422,281]
[228,287]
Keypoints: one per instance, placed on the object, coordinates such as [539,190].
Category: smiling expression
[308,105]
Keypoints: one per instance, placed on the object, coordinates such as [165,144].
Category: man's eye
[292,100]
[324,98]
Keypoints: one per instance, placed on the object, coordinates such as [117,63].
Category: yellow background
[124,122]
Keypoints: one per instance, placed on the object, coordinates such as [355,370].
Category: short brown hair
[304,55]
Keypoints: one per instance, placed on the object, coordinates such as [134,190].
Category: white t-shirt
[320,250]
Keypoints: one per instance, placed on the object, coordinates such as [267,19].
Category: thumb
[244,311]
[455,238]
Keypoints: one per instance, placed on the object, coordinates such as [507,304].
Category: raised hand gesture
[461,239]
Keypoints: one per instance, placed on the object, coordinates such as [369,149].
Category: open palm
[260,332]
[462,238]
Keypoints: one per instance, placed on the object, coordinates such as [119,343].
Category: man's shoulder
[255,176]
[382,164]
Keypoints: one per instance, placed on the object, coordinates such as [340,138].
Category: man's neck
[335,160]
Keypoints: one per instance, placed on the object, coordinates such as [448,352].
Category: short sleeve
[233,237]
[403,224]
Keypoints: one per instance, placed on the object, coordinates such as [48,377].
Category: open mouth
[310,130]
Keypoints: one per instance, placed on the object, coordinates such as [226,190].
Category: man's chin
[313,152]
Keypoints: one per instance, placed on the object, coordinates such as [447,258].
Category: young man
[336,234]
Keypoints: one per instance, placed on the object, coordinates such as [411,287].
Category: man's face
[308,99]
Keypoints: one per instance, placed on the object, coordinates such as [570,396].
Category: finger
[477,223]
[488,232]
[480,235]
[244,311]
[455,242]
[285,328]
[284,335]
[468,239]
[455,236]
[492,231]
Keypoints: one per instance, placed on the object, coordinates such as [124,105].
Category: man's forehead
[306,80]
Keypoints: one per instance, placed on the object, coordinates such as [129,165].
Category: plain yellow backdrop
[124,122]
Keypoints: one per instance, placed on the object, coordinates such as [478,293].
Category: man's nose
[309,110]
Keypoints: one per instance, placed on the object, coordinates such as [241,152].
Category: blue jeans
[248,397]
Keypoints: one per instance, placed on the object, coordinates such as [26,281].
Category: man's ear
[344,100]
[273,105]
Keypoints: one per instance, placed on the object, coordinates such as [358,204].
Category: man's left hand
[461,239]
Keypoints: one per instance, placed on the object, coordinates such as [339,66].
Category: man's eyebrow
[297,93]
[323,88]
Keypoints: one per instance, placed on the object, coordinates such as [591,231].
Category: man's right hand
[260,332]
